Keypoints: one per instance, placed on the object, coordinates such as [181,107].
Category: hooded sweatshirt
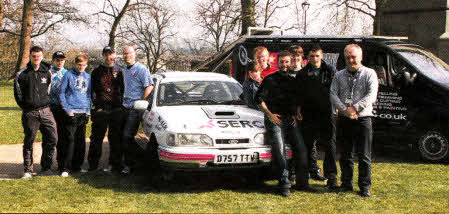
[75,94]
[56,80]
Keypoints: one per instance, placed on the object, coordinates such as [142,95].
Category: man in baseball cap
[108,49]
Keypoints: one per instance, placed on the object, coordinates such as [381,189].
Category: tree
[34,18]
[219,19]
[345,10]
[112,10]
[267,9]
[148,26]
[248,19]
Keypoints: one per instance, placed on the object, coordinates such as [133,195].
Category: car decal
[209,124]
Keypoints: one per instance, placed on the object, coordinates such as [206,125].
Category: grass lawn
[10,117]
[397,188]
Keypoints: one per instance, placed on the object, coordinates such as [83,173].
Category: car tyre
[433,146]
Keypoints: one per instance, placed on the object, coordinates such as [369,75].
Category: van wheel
[433,146]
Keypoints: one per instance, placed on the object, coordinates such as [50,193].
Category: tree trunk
[247,15]
[114,27]
[25,35]
[377,17]
[2,13]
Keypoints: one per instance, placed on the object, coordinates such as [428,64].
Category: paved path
[11,160]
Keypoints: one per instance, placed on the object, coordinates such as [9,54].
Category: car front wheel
[433,146]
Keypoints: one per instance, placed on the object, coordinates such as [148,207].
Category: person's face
[262,59]
[315,58]
[130,55]
[59,62]
[36,58]
[296,62]
[353,57]
[81,66]
[284,63]
[109,58]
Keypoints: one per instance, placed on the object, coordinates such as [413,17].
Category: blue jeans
[279,135]
[132,121]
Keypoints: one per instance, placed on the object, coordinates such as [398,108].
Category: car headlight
[259,139]
[193,140]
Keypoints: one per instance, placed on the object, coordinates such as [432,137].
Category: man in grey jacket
[353,92]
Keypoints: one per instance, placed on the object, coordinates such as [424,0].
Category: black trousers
[323,132]
[44,121]
[60,116]
[74,148]
[101,121]
[359,134]
[280,135]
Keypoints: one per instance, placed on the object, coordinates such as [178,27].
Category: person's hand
[99,110]
[275,119]
[351,113]
[299,116]
[295,122]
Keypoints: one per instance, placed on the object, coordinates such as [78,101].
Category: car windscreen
[199,93]
[427,64]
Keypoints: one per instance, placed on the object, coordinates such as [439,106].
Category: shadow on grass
[10,108]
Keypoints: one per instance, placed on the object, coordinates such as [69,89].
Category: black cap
[58,54]
[108,49]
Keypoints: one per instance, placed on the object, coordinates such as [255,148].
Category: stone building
[425,22]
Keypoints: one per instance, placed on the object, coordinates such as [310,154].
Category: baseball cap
[58,54]
[108,49]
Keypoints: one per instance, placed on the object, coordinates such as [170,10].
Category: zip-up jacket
[56,79]
[314,88]
[107,87]
[31,88]
[279,92]
[250,87]
[75,95]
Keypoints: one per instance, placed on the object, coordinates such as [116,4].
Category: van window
[402,75]
[378,62]
[427,63]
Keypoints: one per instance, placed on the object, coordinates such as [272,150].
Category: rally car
[198,121]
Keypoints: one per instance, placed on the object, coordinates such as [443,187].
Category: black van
[412,106]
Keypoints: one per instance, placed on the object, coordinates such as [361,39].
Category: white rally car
[198,120]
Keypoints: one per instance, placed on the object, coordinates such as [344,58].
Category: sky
[91,36]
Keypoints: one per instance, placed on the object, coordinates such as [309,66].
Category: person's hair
[36,49]
[284,53]
[296,50]
[316,48]
[81,58]
[357,47]
[257,51]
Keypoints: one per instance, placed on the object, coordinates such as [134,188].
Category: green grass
[397,188]
[10,117]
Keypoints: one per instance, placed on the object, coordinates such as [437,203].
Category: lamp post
[305,6]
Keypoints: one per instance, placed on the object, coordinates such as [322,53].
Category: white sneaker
[83,170]
[107,169]
[27,175]
[64,174]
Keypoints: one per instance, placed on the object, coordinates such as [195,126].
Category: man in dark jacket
[31,92]
[277,99]
[107,94]
[250,86]
[313,82]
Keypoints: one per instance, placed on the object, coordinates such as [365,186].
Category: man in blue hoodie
[75,99]
[138,86]
[57,71]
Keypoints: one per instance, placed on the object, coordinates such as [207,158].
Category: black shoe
[346,188]
[365,193]
[284,192]
[317,177]
[332,185]
[304,188]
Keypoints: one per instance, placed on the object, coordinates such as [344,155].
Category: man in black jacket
[31,92]
[250,86]
[313,82]
[107,96]
[277,99]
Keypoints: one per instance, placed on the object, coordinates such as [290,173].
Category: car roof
[183,76]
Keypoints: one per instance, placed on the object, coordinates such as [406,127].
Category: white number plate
[236,158]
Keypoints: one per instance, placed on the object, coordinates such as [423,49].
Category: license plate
[236,158]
